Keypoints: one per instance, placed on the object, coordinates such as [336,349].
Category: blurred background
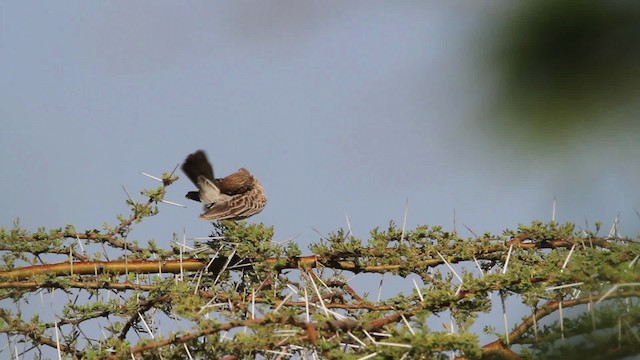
[484,110]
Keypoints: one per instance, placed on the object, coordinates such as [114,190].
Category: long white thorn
[349,233]
[146,326]
[394,344]
[206,268]
[471,231]
[356,339]
[186,349]
[614,288]
[369,336]
[563,286]
[566,261]
[406,322]
[253,304]
[478,265]
[174,169]
[372,355]
[225,265]
[613,232]
[128,195]
[504,319]
[404,220]
[315,288]
[173,203]
[84,252]
[286,298]
[418,290]
[58,341]
[506,263]
[449,266]
[380,287]
[455,222]
[150,176]
[306,305]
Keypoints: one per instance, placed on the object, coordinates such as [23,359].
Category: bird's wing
[237,207]
[196,165]
[237,183]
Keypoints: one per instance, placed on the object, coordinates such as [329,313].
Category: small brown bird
[234,197]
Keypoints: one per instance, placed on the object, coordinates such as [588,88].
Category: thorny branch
[245,295]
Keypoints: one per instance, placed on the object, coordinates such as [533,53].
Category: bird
[234,197]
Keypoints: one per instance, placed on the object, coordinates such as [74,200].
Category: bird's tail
[197,165]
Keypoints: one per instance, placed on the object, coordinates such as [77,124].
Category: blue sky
[338,108]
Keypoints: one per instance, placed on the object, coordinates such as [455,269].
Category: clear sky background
[338,108]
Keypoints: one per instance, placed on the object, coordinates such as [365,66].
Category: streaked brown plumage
[234,197]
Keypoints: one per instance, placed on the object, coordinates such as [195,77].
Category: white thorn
[418,290]
[173,203]
[150,176]
[504,318]
[506,263]
[566,261]
[563,286]
[449,266]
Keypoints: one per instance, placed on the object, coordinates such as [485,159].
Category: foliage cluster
[239,294]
